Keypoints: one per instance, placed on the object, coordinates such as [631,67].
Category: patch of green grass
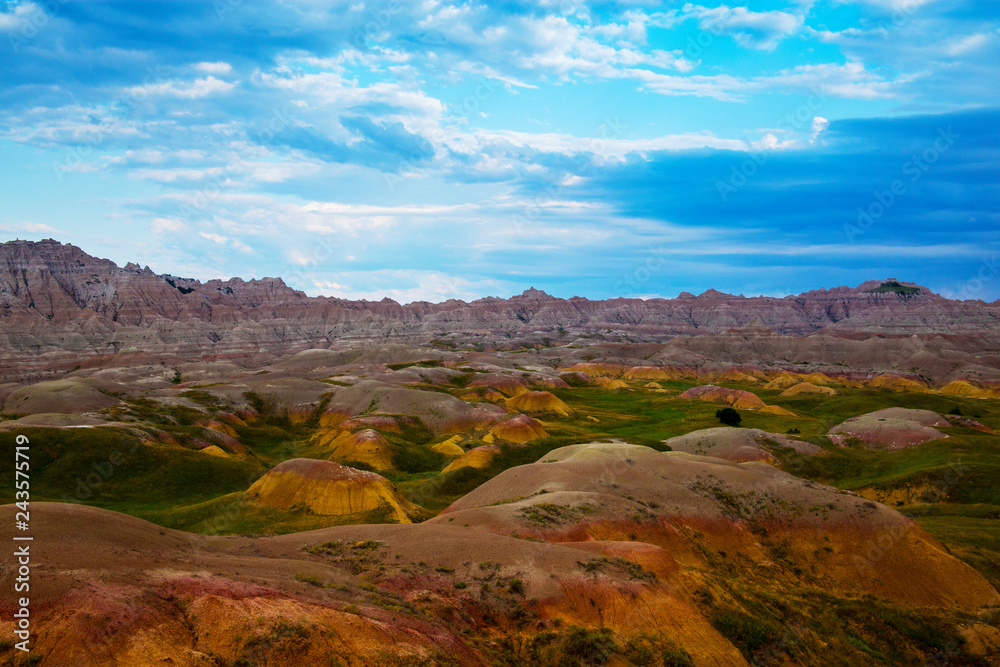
[205,398]
[893,287]
[110,467]
[972,539]
[748,633]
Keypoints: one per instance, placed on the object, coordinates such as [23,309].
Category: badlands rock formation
[58,304]
[329,489]
[891,428]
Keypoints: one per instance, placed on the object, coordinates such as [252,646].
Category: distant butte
[58,304]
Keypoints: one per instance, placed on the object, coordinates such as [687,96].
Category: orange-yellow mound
[595,369]
[538,401]
[509,385]
[329,489]
[777,410]
[491,395]
[519,429]
[656,373]
[480,457]
[818,378]
[220,426]
[783,381]
[735,375]
[808,388]
[655,387]
[964,388]
[736,398]
[379,423]
[223,440]
[610,383]
[214,450]
[450,447]
[550,382]
[366,446]
[896,383]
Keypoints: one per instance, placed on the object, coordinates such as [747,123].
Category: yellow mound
[963,388]
[479,457]
[818,378]
[595,369]
[896,383]
[450,447]
[538,401]
[734,375]
[734,397]
[509,385]
[519,429]
[655,373]
[215,450]
[220,426]
[777,410]
[808,388]
[783,381]
[329,489]
[608,383]
[367,446]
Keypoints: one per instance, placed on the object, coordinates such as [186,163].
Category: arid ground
[260,478]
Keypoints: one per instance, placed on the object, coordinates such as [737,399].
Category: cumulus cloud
[758,30]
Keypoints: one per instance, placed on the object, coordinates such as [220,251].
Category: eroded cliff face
[57,302]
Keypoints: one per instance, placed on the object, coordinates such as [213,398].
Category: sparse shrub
[589,647]
[267,406]
[644,650]
[729,416]
[309,579]
[516,587]
[746,632]
[177,378]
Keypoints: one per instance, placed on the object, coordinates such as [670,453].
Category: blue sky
[428,150]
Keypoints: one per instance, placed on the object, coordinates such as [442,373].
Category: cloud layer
[430,149]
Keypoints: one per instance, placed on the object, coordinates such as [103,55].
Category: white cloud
[759,30]
[963,45]
[214,68]
[31,228]
[164,226]
[433,286]
[187,90]
[819,124]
